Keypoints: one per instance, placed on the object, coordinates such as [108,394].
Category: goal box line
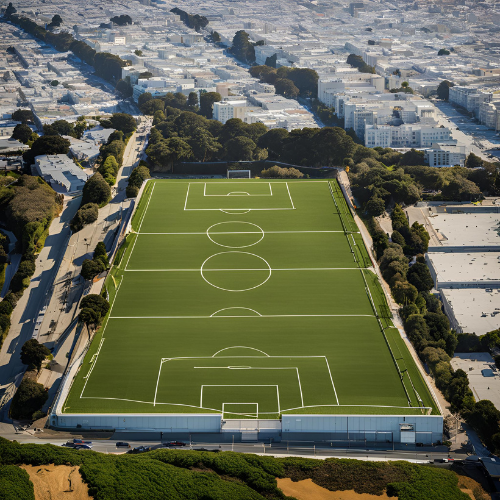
[202,195]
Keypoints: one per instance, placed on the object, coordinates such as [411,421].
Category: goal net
[239,174]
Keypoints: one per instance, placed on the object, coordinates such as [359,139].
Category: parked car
[81,441]
[140,449]
[122,444]
[174,443]
[83,447]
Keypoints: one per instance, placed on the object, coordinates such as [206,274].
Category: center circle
[235,234]
[235,271]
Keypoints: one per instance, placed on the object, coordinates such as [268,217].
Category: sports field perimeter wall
[424,429]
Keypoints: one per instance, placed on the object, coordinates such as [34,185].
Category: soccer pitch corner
[243,300]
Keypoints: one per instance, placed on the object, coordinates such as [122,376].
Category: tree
[192,101]
[443,90]
[10,10]
[484,418]
[332,145]
[461,189]
[86,214]
[398,218]
[158,117]
[54,83]
[404,292]
[96,190]
[121,20]
[101,253]
[33,353]
[59,127]
[23,116]
[375,206]
[92,268]
[207,100]
[47,145]
[124,122]
[443,52]
[273,141]
[286,88]
[143,98]
[124,88]
[242,48]
[89,317]
[420,277]
[22,133]
[97,303]
[473,161]
[215,37]
[29,397]
[412,157]
[138,52]
[240,148]
[56,20]
[204,145]
[271,60]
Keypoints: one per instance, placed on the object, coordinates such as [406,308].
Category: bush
[29,398]
[276,172]
[15,484]
[132,191]
[38,414]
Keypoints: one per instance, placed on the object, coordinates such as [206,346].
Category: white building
[60,172]
[446,154]
[225,110]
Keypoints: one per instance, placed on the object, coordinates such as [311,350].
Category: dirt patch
[307,490]
[57,482]
[472,488]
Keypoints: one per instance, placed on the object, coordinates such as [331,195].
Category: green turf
[255,312]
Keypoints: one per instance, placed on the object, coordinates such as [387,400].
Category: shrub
[15,484]
[96,190]
[30,397]
[86,214]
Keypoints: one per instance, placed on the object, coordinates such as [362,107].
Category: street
[56,282]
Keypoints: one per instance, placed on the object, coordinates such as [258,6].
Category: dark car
[174,443]
[81,441]
[122,444]
[83,447]
[140,449]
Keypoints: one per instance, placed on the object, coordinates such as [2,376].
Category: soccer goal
[239,174]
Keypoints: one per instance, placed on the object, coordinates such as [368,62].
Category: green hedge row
[183,474]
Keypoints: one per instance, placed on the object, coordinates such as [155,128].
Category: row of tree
[288,82]
[193,21]
[98,264]
[27,208]
[106,65]
[427,326]
[357,62]
[136,178]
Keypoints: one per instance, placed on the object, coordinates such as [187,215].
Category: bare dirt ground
[57,482]
[307,490]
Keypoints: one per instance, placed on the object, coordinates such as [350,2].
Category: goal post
[239,174]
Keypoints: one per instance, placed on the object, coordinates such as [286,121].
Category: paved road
[26,311]
[477,137]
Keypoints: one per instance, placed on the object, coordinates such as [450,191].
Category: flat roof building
[60,172]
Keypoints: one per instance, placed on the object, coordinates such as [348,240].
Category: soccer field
[248,298]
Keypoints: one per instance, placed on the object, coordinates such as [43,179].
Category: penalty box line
[204,233]
[249,209]
[164,360]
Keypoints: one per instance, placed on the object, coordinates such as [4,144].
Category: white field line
[300,387]
[263,413]
[290,196]
[233,193]
[234,385]
[331,378]
[249,269]
[140,226]
[102,340]
[262,316]
[248,209]
[157,382]
[204,233]
[187,194]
